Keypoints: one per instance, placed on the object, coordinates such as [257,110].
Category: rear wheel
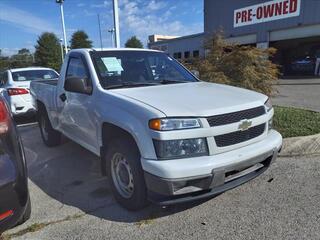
[49,136]
[125,174]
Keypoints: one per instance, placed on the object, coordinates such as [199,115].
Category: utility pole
[111,31]
[100,31]
[63,26]
[61,47]
[116,22]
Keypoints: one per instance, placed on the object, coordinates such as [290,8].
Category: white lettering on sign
[266,12]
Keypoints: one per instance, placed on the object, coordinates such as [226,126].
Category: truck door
[77,116]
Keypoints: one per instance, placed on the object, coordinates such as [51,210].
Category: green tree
[242,66]
[4,62]
[48,53]
[24,51]
[80,39]
[133,42]
[24,58]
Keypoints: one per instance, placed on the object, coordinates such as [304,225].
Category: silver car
[15,84]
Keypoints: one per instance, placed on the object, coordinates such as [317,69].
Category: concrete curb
[299,146]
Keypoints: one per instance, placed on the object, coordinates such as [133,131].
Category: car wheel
[125,174]
[49,136]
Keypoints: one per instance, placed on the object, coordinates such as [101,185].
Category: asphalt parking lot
[70,200]
[300,92]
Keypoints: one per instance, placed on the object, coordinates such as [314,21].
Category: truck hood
[195,99]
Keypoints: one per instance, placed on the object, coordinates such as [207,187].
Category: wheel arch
[109,132]
[41,107]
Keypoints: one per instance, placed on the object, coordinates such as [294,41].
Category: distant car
[303,65]
[16,83]
[15,207]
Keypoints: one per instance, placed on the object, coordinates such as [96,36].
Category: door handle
[63,97]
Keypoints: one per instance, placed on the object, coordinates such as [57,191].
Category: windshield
[31,75]
[138,68]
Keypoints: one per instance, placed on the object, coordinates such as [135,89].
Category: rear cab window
[31,75]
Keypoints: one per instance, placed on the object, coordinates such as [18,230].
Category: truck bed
[45,92]
[50,82]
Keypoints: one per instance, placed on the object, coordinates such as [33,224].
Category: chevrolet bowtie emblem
[245,125]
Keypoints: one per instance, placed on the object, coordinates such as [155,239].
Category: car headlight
[268,105]
[168,124]
[171,149]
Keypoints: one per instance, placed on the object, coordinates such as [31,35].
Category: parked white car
[15,84]
[162,134]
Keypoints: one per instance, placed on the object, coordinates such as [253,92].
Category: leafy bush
[242,66]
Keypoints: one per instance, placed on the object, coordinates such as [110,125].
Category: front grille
[239,136]
[234,117]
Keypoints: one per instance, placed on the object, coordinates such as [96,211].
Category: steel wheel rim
[44,128]
[122,176]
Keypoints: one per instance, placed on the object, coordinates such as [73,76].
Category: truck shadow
[71,175]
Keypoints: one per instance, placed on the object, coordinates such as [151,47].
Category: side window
[76,68]
[77,77]
[177,55]
[196,53]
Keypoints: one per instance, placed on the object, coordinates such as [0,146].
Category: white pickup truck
[162,135]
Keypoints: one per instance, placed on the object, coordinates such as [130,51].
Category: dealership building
[290,26]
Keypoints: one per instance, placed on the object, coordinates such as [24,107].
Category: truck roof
[29,69]
[112,49]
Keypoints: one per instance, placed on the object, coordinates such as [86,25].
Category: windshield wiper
[167,81]
[129,84]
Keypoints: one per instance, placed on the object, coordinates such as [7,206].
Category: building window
[196,54]
[177,55]
[186,54]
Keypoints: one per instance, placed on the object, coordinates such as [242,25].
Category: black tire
[138,198]
[49,136]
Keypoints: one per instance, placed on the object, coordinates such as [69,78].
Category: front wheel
[49,136]
[125,174]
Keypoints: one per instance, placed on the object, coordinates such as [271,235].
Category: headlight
[268,105]
[170,149]
[167,124]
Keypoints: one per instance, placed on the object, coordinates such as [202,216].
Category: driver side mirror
[78,85]
[195,73]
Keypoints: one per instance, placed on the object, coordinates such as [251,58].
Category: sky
[22,21]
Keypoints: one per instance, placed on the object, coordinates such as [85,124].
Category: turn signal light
[155,124]
[6,215]
[17,91]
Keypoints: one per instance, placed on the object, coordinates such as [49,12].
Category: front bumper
[167,192]
[208,176]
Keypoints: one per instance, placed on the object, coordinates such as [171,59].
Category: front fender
[131,116]
[136,129]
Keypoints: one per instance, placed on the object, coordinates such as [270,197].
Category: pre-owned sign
[265,12]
